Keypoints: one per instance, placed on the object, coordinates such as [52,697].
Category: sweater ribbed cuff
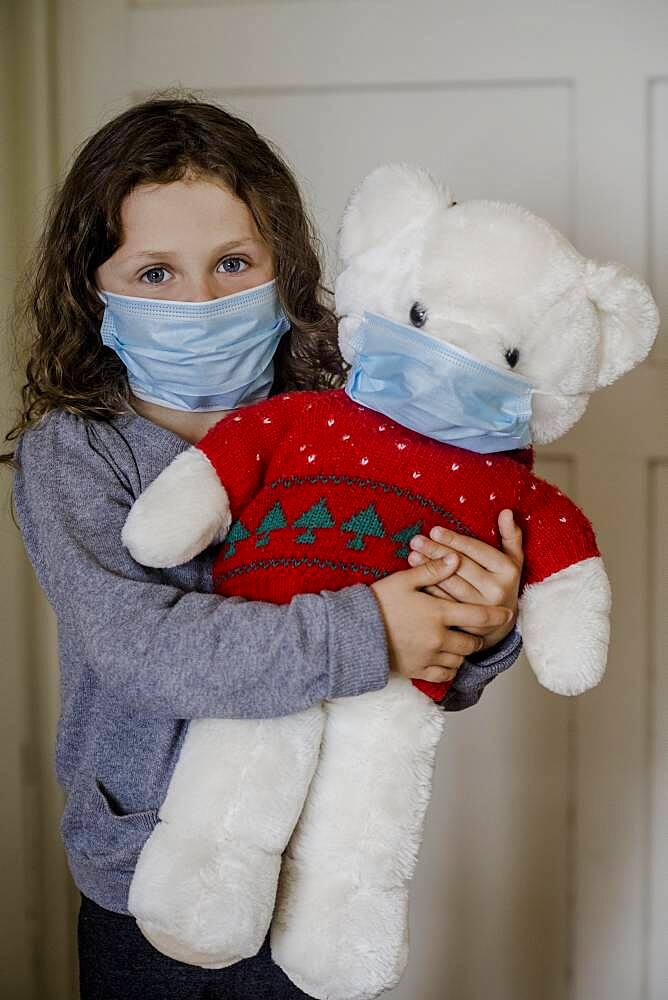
[358,655]
[478,670]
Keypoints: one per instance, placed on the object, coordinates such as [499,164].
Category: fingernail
[509,616]
[438,534]
[450,559]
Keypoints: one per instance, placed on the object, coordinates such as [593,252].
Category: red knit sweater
[325,493]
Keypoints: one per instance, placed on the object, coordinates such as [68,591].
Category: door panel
[544,867]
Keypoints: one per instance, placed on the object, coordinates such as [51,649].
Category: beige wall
[14,943]
[36,902]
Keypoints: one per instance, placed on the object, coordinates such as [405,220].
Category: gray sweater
[142,651]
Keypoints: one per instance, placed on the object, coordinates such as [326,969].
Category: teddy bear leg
[204,886]
[340,928]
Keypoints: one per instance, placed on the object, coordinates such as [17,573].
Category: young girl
[178,200]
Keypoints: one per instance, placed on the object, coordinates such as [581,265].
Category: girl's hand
[429,637]
[485,575]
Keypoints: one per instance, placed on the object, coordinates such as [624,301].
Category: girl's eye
[154,275]
[233,265]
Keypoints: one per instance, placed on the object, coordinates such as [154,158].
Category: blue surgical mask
[437,389]
[197,356]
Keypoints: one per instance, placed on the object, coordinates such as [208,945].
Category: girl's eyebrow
[223,248]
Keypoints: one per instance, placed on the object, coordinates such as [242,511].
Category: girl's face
[190,240]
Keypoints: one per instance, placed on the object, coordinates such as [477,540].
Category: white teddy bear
[473,329]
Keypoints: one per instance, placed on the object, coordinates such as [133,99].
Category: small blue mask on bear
[437,389]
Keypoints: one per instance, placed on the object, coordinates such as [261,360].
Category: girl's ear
[390,199]
[628,316]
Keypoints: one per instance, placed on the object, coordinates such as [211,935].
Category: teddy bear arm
[564,605]
[184,510]
[189,505]
[565,625]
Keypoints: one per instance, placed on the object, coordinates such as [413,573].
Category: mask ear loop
[558,395]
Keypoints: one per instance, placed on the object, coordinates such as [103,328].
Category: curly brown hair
[160,140]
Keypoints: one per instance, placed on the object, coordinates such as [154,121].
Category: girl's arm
[167,651]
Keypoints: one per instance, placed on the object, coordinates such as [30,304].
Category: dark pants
[116,962]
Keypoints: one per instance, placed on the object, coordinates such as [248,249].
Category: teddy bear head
[495,281]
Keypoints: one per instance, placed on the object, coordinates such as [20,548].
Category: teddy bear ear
[389,199]
[628,316]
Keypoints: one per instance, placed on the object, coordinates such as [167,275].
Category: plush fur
[341,924]
[570,610]
[205,884]
[175,519]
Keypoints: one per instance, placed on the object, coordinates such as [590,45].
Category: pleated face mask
[437,389]
[197,356]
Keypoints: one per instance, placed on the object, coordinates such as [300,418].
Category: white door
[544,872]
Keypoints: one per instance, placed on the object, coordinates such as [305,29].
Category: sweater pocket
[94,829]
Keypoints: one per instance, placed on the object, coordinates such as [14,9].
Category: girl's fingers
[444,659]
[468,571]
[437,675]
[431,572]
[455,588]
[511,536]
[470,616]
[459,644]
[438,591]
[485,555]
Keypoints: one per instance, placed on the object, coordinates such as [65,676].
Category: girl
[178,200]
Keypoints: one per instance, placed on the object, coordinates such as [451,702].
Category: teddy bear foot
[212,907]
[174,948]
[338,939]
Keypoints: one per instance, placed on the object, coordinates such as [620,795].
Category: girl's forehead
[183,209]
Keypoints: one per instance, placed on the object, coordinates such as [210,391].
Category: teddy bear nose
[512,357]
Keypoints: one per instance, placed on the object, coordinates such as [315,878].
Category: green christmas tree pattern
[272,521]
[237,533]
[317,516]
[365,524]
[405,536]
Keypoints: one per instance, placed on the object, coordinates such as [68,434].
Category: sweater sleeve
[478,670]
[166,651]
[555,532]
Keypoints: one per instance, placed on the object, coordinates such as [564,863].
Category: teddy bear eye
[512,357]
[418,314]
